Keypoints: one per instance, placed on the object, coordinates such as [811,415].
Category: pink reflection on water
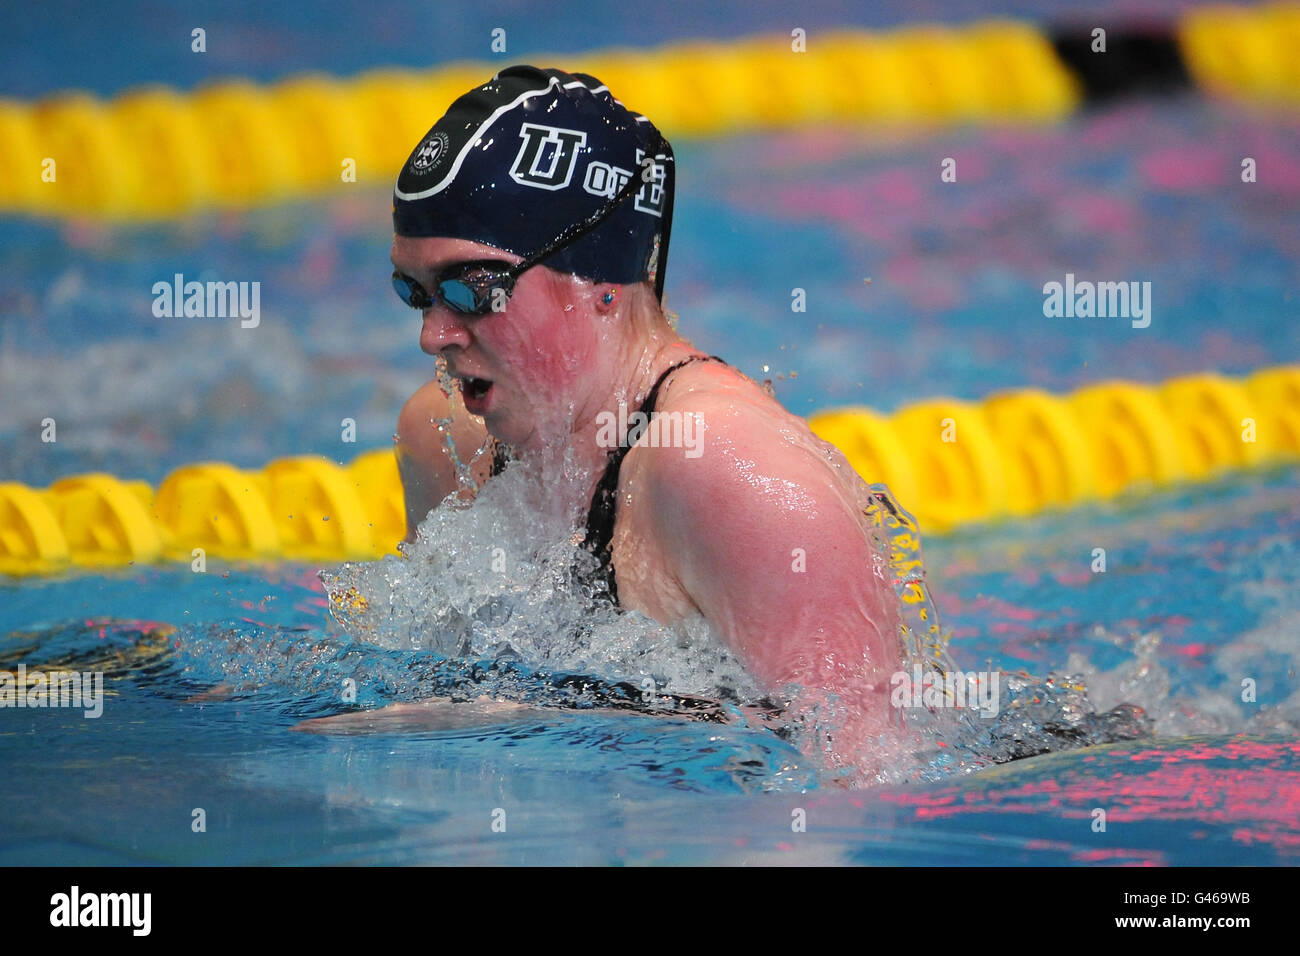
[1238,781]
[1180,170]
[1120,856]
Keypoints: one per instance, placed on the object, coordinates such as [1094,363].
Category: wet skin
[762,533]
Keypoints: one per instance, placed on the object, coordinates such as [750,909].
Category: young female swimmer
[532,226]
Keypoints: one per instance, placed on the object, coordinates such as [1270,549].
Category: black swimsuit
[600,533]
[604,503]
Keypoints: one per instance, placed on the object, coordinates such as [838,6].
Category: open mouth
[475,388]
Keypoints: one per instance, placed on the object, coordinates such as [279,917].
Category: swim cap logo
[650,198]
[528,168]
[605,180]
[429,153]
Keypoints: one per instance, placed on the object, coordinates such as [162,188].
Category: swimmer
[532,228]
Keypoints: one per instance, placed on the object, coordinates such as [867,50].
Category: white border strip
[470,143]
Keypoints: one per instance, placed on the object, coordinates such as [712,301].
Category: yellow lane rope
[156,153]
[949,462]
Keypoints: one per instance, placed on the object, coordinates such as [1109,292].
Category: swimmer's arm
[433,714]
[428,475]
[771,551]
[443,714]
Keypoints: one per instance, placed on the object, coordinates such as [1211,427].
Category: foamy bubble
[503,578]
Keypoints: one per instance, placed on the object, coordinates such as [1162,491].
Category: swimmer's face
[520,368]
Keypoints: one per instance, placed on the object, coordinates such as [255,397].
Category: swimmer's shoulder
[756,531]
[741,433]
[732,407]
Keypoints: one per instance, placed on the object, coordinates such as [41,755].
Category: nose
[442,329]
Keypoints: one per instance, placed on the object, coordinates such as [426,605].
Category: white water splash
[502,577]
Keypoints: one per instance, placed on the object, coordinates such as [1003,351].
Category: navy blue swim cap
[529,154]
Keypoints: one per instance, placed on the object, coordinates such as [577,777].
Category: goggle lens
[460,296]
[410,291]
[471,292]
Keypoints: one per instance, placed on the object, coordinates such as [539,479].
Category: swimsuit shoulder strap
[604,502]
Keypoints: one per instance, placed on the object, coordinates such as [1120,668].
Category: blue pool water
[1216,784]
[1200,590]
